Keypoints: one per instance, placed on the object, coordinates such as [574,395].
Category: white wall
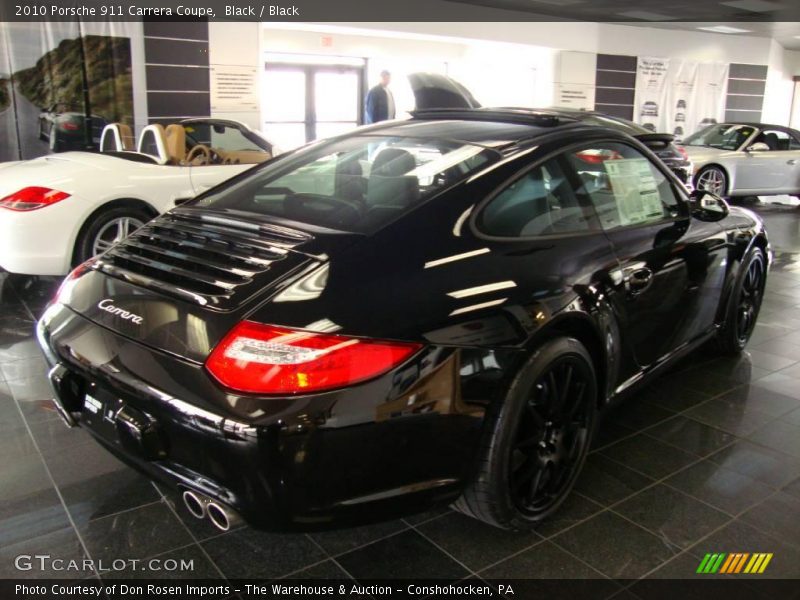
[486,56]
[235,45]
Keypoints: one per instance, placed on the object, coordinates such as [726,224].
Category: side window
[542,202]
[625,188]
[775,139]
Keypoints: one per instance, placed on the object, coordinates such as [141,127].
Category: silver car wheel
[712,180]
[113,232]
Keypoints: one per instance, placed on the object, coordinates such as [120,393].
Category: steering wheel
[195,152]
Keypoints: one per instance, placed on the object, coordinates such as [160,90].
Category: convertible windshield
[724,136]
[355,184]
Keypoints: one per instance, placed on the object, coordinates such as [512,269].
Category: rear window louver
[210,260]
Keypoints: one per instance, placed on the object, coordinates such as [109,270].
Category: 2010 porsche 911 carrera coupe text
[418,313]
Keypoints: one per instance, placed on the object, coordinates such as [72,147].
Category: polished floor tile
[607,481]
[779,435]
[249,554]
[615,546]
[62,545]
[722,488]
[759,462]
[340,541]
[139,533]
[475,545]
[674,517]
[421,560]
[778,515]
[649,456]
[690,435]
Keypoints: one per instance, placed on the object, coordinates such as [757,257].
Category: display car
[413,314]
[57,211]
[746,159]
[63,126]
[649,109]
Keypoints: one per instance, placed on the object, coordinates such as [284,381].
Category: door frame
[309,69]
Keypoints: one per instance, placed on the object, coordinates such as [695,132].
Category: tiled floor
[707,459]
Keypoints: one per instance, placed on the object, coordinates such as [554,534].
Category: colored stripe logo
[734,563]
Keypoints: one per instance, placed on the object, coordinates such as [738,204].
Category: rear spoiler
[657,140]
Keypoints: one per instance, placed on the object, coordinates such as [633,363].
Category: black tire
[744,304]
[718,174]
[498,492]
[84,247]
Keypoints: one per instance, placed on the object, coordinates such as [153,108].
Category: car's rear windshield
[356,184]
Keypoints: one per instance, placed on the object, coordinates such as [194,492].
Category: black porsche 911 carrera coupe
[423,312]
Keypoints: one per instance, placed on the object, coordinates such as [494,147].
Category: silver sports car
[745,159]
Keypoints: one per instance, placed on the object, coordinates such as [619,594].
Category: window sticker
[635,190]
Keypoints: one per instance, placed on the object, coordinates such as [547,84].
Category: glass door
[303,102]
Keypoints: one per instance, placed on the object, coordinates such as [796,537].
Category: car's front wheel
[536,439]
[108,228]
[712,179]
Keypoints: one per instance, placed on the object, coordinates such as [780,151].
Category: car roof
[481,126]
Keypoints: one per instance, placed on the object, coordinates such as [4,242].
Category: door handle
[639,279]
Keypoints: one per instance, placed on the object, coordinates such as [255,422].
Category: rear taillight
[69,126]
[682,151]
[265,359]
[31,198]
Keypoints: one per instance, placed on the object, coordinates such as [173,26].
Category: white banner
[678,96]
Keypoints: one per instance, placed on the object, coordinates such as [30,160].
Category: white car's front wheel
[712,179]
[109,228]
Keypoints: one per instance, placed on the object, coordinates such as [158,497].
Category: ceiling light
[723,29]
[753,5]
[645,15]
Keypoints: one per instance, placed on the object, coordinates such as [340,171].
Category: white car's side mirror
[758,147]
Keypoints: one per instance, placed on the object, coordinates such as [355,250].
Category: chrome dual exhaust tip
[195,504]
[201,506]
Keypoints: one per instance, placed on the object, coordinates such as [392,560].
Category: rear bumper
[38,242]
[313,462]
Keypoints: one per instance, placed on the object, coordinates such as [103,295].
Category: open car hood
[432,90]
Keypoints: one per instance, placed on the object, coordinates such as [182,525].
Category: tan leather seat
[126,135]
[175,137]
[117,137]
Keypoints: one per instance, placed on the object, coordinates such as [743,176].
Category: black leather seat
[389,184]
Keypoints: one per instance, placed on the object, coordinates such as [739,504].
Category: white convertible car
[57,211]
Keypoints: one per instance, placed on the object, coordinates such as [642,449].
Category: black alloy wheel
[749,300]
[535,438]
[552,435]
[744,304]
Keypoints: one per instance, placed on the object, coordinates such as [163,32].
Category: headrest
[393,162]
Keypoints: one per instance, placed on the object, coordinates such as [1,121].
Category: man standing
[379,105]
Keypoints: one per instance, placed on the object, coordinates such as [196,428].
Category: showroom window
[543,202]
[624,186]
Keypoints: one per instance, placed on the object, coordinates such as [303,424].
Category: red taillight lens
[69,126]
[264,359]
[31,198]
[682,151]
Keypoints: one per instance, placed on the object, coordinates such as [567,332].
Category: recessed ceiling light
[559,2]
[645,15]
[723,29]
[753,5]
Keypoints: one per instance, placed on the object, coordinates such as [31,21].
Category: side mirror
[708,207]
[758,147]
